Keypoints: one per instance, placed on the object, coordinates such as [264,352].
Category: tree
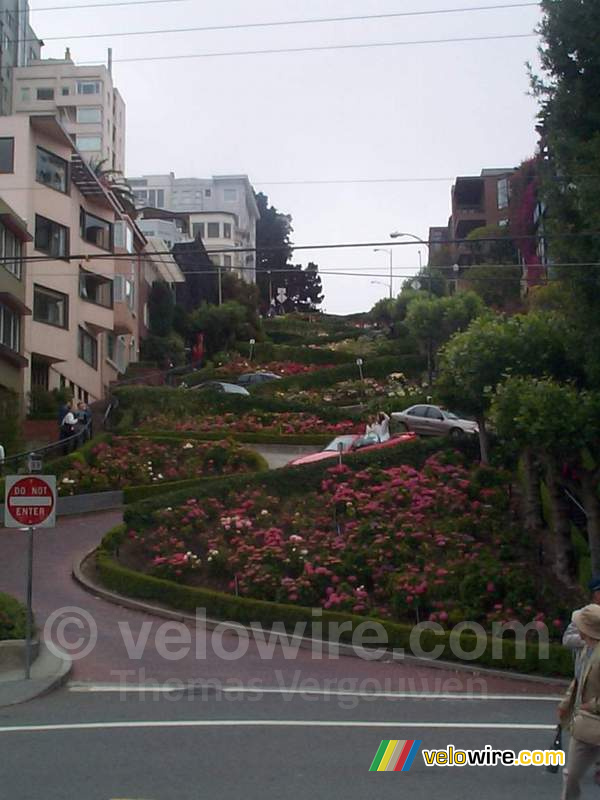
[543,418]
[161,307]
[432,321]
[222,325]
[303,288]
[475,361]
[495,274]
[569,123]
[273,247]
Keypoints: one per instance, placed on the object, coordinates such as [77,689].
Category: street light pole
[390,253]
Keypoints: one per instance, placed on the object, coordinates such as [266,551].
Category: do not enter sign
[30,501]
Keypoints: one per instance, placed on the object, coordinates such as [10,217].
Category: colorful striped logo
[395,755]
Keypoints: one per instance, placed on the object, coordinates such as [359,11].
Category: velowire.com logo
[395,755]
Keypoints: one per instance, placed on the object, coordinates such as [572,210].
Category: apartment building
[222,211]
[158,265]
[79,303]
[85,101]
[13,236]
[169,226]
[19,46]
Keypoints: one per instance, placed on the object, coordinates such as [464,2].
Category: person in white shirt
[67,429]
[383,426]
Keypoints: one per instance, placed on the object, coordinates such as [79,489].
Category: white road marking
[118,688]
[268,723]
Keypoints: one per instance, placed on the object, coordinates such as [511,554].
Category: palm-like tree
[115,181]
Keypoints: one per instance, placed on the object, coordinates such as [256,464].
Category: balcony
[124,321]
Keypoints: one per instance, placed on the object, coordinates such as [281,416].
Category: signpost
[30,503]
[359,364]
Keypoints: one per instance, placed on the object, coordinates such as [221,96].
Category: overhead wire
[281,23]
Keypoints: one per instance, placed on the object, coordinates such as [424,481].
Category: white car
[431,420]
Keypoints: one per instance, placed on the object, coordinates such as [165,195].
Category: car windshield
[345,441]
[450,415]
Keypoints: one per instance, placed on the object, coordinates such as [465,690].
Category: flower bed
[397,543]
[253,422]
[123,462]
[394,387]
[238,365]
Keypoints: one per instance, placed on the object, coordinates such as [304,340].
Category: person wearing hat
[580,708]
[571,638]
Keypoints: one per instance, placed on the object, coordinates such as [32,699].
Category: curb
[14,692]
[305,642]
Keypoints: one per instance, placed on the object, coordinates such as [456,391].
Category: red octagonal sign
[30,501]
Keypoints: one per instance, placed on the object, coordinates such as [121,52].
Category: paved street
[103,745]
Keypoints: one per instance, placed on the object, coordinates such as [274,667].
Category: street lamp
[390,253]
[398,235]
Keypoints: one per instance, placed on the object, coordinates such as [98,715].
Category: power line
[283,23]
[94,5]
[320,48]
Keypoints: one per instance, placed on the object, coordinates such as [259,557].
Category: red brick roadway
[54,588]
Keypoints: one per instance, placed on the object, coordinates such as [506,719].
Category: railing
[22,462]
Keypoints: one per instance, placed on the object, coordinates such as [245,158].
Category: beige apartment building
[80,303]
[85,101]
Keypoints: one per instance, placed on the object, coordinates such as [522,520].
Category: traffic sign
[30,501]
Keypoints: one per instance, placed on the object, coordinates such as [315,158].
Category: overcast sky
[426,111]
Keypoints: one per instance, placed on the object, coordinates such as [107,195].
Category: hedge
[301,354]
[380,367]
[289,481]
[247,611]
[308,439]
[136,403]
[13,618]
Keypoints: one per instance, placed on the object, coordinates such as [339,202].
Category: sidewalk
[48,671]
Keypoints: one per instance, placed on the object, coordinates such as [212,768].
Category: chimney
[68,54]
[110,60]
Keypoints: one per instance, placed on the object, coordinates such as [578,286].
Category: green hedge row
[13,618]
[294,480]
[301,354]
[308,439]
[247,611]
[411,365]
[137,403]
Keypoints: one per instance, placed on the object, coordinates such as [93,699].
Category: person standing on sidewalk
[580,708]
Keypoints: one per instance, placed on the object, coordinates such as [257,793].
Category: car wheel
[456,433]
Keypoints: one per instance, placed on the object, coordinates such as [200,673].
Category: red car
[352,444]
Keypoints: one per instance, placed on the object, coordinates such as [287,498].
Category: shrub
[13,616]
[10,433]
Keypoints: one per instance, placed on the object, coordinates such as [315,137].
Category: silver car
[432,421]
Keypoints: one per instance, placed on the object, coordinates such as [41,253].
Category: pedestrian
[67,429]
[383,426]
[580,708]
[84,421]
[573,641]
[371,428]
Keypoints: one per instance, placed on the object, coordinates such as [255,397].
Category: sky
[381,113]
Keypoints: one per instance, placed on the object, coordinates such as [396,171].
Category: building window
[160,198]
[95,230]
[51,238]
[7,154]
[25,94]
[89,143]
[124,291]
[198,230]
[88,348]
[110,346]
[207,193]
[95,289]
[52,170]
[88,87]
[227,230]
[503,191]
[216,259]
[45,93]
[10,328]
[152,197]
[230,195]
[503,223]
[227,261]
[64,91]
[50,307]
[140,195]
[89,114]
[123,236]
[212,230]
[10,251]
